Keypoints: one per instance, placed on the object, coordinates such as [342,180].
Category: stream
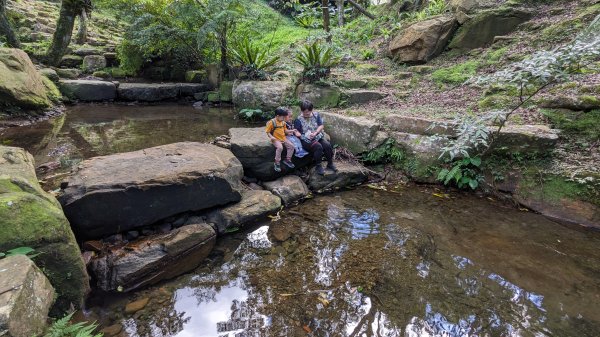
[413,261]
[402,261]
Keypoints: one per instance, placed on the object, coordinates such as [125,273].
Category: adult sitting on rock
[310,125]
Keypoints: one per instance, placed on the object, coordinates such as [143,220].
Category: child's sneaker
[277,167]
[332,167]
[320,170]
[289,164]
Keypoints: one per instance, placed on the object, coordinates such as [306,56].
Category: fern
[252,60]
[64,328]
[317,62]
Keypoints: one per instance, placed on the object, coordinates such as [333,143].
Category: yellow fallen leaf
[324,301]
[441,195]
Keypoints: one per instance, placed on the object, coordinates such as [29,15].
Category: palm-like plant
[252,60]
[317,61]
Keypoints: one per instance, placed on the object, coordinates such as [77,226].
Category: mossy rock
[481,30]
[351,83]
[52,90]
[226,91]
[20,83]
[101,74]
[34,218]
[213,97]
[195,76]
[366,68]
[119,73]
[320,96]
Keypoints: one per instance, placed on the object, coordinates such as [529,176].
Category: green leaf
[473,183]
[442,175]
[476,161]
[20,251]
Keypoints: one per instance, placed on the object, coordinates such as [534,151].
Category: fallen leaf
[307,329]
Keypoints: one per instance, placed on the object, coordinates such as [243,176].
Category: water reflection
[86,131]
[372,265]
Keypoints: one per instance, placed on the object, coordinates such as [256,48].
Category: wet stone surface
[413,262]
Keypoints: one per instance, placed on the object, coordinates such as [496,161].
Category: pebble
[112,330]
[136,306]
[94,246]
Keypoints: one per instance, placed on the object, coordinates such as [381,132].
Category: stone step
[362,96]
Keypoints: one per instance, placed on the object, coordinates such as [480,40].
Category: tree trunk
[64,28]
[6,29]
[340,8]
[82,31]
[361,9]
[325,8]
[223,43]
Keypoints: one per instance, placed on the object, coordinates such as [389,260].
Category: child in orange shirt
[276,131]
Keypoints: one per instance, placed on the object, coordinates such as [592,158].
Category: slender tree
[325,8]
[69,10]
[82,29]
[6,29]
[340,9]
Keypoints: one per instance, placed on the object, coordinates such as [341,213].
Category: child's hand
[297,134]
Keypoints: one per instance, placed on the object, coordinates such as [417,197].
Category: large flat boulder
[348,175]
[154,259]
[265,95]
[33,218]
[26,297]
[20,82]
[422,41]
[120,192]
[357,134]
[256,153]
[254,205]
[88,90]
[289,188]
[362,96]
[481,30]
[321,96]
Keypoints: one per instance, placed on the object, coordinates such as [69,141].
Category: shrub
[464,172]
[253,115]
[252,60]
[317,62]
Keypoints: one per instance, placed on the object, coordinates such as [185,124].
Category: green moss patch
[457,74]
[582,125]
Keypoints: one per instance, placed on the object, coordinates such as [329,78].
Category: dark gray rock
[289,188]
[256,153]
[154,259]
[348,175]
[88,91]
[148,92]
[363,96]
[128,190]
[357,134]
[253,206]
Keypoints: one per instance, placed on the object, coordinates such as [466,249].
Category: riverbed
[405,261]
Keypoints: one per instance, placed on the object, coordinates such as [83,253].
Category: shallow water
[368,262]
[91,130]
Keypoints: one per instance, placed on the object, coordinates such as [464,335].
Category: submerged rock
[348,175]
[33,218]
[256,153]
[422,41]
[26,297]
[120,192]
[154,258]
[354,133]
[20,82]
[289,188]
[254,205]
